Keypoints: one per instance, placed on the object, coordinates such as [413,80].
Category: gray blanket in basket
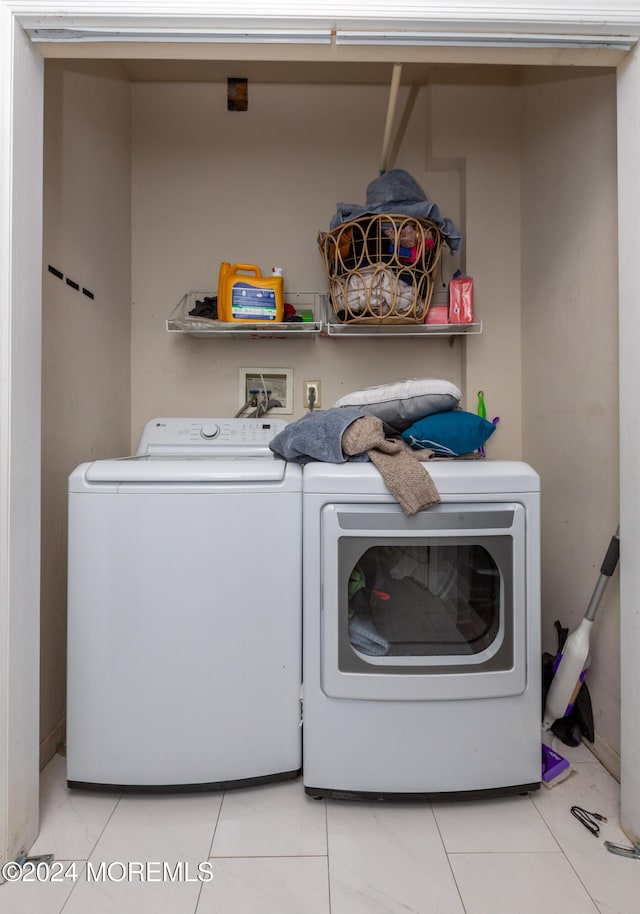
[396,191]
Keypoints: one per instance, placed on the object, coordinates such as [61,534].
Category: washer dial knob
[209,431]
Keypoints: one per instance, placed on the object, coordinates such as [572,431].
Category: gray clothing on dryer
[317,436]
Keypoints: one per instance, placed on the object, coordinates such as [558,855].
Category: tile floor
[272,850]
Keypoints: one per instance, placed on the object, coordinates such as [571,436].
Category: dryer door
[428,607]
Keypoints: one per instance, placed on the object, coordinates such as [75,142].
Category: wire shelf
[309,303]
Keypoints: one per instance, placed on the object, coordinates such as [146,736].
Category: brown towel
[403,474]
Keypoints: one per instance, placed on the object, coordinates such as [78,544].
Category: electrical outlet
[309,388]
[277,382]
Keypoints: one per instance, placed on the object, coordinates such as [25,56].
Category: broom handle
[606,570]
[391,108]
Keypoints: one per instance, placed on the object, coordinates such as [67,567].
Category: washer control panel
[208,437]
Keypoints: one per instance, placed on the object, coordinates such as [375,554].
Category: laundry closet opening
[150,182]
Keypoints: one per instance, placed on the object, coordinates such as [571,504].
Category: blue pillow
[450,433]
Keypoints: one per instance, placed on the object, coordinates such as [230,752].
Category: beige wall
[526,169]
[86,343]
[211,185]
[477,117]
[256,187]
[570,356]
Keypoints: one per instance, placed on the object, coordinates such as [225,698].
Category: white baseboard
[52,742]
[606,755]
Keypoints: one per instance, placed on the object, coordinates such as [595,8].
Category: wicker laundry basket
[381,268]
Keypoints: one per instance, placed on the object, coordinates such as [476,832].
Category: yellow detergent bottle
[244,294]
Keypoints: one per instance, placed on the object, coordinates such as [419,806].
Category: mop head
[555,768]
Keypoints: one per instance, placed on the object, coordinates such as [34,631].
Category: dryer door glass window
[429,606]
[438,591]
[424,600]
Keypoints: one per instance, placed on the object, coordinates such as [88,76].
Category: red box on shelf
[437,314]
[461,300]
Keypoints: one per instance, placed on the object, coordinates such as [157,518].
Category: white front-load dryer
[184,611]
[421,651]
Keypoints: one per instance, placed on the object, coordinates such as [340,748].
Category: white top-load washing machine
[421,651]
[184,610]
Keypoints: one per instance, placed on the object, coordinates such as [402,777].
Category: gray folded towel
[317,436]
